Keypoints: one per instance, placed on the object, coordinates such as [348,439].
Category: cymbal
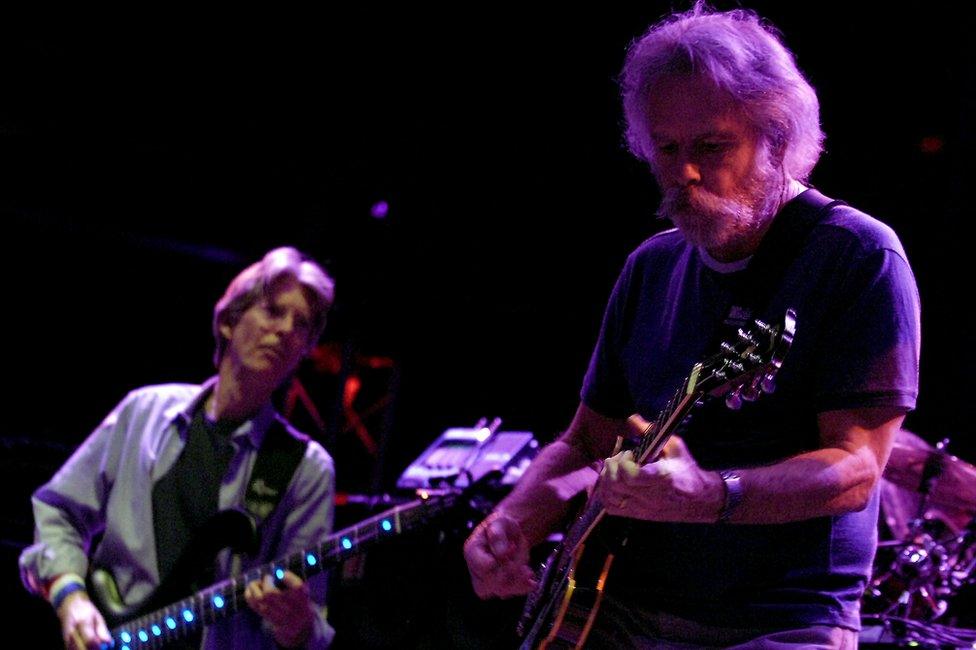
[953,482]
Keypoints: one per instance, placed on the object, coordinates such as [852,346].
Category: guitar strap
[780,247]
[187,496]
[280,453]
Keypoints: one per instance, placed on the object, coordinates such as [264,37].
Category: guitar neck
[667,422]
[220,600]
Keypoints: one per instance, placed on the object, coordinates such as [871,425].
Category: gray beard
[713,222]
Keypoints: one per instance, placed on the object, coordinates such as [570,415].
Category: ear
[226,330]
[777,152]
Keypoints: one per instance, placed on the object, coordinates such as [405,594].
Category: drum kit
[923,590]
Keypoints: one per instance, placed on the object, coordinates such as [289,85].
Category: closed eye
[667,149]
[712,147]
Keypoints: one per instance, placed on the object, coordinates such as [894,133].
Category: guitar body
[231,529]
[574,587]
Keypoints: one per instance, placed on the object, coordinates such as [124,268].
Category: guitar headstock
[746,367]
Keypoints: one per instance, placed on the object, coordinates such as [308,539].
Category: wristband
[64,592]
[54,586]
[733,494]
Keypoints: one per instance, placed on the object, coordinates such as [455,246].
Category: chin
[703,234]
[263,366]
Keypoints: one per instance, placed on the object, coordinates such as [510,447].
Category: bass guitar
[162,619]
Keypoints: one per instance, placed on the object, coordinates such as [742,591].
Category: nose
[687,172]
[677,170]
[286,324]
[281,324]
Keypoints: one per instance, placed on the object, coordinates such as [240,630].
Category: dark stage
[462,174]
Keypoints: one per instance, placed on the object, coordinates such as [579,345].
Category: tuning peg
[768,383]
[746,337]
[750,393]
[734,399]
[762,327]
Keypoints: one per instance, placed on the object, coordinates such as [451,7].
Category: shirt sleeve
[604,385]
[69,510]
[872,338]
[308,522]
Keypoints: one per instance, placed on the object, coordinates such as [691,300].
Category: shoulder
[667,244]
[665,250]
[316,471]
[165,392]
[314,455]
[163,398]
[857,232]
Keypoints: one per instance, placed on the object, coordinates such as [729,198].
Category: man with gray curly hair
[169,458]
[754,528]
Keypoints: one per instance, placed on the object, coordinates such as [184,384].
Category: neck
[235,395]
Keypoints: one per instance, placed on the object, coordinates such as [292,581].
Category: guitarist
[170,456]
[755,528]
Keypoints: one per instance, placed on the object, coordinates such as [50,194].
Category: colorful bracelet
[64,592]
[59,581]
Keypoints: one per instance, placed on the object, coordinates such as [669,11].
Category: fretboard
[180,619]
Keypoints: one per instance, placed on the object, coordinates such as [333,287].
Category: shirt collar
[722,267]
[254,428]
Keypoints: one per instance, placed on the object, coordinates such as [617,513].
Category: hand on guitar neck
[289,610]
[497,554]
[672,488]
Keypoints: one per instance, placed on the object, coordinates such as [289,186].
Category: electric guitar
[561,611]
[138,627]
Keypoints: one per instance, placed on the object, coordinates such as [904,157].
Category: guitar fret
[204,610]
[301,566]
[234,594]
[166,616]
[253,574]
[200,606]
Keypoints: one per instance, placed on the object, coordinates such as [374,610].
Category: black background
[143,165]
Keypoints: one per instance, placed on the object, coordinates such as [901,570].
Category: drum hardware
[929,501]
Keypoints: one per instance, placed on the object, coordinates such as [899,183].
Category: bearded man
[754,528]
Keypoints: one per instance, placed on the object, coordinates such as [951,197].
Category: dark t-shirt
[856,345]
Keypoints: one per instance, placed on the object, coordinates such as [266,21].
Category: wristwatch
[733,493]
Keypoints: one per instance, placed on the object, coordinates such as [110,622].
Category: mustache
[683,200]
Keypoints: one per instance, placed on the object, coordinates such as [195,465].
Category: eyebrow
[715,134]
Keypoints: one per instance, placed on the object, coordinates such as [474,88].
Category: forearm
[58,549]
[540,499]
[70,509]
[820,483]
[315,633]
[837,478]
[309,521]
[322,633]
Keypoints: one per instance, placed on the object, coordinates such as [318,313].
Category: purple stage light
[379,210]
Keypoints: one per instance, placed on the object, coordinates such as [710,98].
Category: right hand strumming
[497,554]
